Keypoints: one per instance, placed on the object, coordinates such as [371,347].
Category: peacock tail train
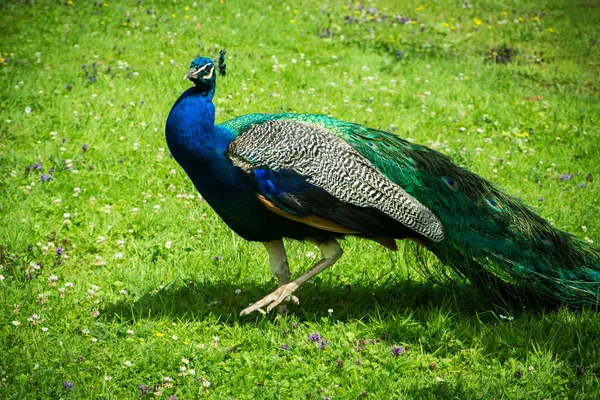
[491,239]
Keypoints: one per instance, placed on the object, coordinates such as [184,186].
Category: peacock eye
[450,182]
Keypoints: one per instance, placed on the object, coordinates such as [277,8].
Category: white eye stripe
[204,67]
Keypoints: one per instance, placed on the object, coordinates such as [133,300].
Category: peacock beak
[192,73]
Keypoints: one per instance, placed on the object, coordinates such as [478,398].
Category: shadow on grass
[190,300]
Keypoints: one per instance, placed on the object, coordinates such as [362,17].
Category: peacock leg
[280,268]
[331,253]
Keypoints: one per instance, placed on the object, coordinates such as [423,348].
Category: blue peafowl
[315,178]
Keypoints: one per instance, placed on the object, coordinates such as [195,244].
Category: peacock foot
[282,294]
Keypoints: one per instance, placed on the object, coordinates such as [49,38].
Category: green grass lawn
[115,274]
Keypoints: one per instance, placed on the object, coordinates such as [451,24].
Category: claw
[282,294]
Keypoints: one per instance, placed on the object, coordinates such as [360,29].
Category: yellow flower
[489,27]
[101,22]
[173,15]
[295,11]
[504,12]
[520,19]
[445,24]
[124,23]
[159,334]
[452,27]
[187,17]
[345,7]
[477,21]
[292,21]
[186,342]
[420,8]
[70,2]
[550,30]
[105,4]
[186,8]
[452,20]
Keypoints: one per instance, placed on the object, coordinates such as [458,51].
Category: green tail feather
[492,237]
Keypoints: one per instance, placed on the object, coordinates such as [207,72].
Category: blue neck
[190,128]
[196,143]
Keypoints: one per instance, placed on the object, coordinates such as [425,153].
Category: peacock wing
[300,167]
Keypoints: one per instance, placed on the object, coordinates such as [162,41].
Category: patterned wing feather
[329,163]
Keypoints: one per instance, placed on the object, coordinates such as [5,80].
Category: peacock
[315,178]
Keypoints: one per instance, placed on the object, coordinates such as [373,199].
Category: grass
[149,280]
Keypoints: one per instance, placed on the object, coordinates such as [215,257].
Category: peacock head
[202,71]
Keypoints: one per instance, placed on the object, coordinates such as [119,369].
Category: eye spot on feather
[452,184]
[494,204]
[371,145]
